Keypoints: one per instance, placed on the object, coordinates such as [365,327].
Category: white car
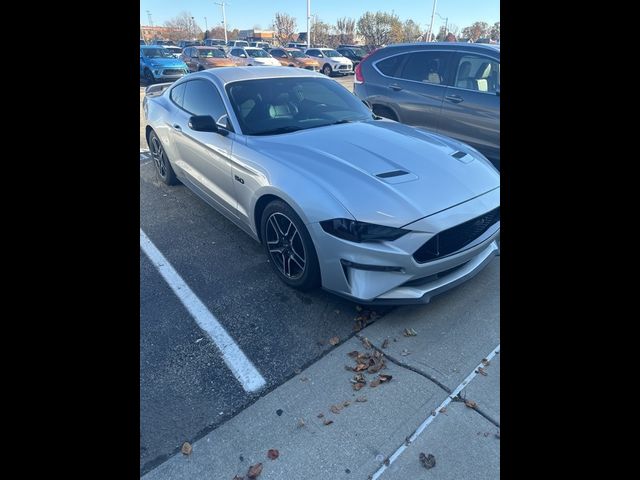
[175,51]
[331,61]
[252,56]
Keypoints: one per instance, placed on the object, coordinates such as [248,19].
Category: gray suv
[449,88]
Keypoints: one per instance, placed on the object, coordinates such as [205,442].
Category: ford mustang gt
[365,207]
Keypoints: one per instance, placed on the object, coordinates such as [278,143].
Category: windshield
[359,52]
[297,54]
[331,53]
[257,53]
[242,44]
[174,49]
[156,53]
[211,53]
[273,106]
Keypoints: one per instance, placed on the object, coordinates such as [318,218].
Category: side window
[313,53]
[390,66]
[426,67]
[476,72]
[202,98]
[276,53]
[235,52]
[177,94]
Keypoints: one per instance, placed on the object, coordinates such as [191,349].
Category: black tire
[200,68]
[160,160]
[291,253]
[326,69]
[384,112]
[148,76]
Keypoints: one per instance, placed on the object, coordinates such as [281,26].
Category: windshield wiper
[275,131]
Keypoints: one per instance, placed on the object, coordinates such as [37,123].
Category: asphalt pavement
[189,394]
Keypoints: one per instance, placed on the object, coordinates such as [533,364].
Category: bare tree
[442,34]
[285,27]
[320,33]
[183,27]
[410,31]
[345,29]
[379,28]
[216,32]
[453,28]
[476,31]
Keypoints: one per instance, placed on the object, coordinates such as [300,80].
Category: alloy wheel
[157,153]
[285,246]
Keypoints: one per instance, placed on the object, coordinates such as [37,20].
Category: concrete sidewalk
[427,369]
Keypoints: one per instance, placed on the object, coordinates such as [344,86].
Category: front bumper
[168,74]
[387,273]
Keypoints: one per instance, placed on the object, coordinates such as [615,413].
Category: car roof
[226,75]
[454,45]
[289,49]
[153,46]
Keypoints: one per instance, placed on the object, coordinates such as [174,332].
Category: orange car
[202,58]
[292,57]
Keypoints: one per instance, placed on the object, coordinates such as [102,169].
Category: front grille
[453,239]
[344,67]
[173,71]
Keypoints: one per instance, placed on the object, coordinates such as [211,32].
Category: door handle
[177,127]
[454,98]
[395,86]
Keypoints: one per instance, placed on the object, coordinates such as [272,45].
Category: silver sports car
[365,207]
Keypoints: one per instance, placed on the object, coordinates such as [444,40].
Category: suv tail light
[358,72]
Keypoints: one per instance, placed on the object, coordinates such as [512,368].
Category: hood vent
[394,173]
[462,156]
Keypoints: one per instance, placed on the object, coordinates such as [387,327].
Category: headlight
[355,231]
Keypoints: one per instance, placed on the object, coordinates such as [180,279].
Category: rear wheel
[384,112]
[327,70]
[160,160]
[289,247]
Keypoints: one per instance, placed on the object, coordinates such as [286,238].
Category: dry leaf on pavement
[366,343]
[427,461]
[346,403]
[361,399]
[335,408]
[300,423]
[409,332]
[237,477]
[273,454]
[320,415]
[374,383]
[359,367]
[358,386]
[385,344]
[470,403]
[254,471]
[385,378]
[481,371]
[353,354]
[186,448]
[405,352]
[443,410]
[328,422]
[485,362]
[334,340]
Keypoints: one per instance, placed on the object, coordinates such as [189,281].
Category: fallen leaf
[346,403]
[386,461]
[359,367]
[433,413]
[358,386]
[358,308]
[320,415]
[374,383]
[353,354]
[359,378]
[186,448]
[357,326]
[385,344]
[297,371]
[304,379]
[254,471]
[328,422]
[237,477]
[334,340]
[405,352]
[485,362]
[348,368]
[409,332]
[335,408]
[443,410]
[470,403]
[385,378]
[427,461]
[300,423]
[481,371]
[366,343]
[361,399]
[273,454]
[486,434]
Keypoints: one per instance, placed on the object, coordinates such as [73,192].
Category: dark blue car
[158,64]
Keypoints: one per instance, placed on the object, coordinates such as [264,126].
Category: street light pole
[308,23]
[205,24]
[193,28]
[149,17]
[224,20]
[446,23]
[432,15]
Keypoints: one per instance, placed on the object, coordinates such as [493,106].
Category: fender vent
[458,155]
[395,173]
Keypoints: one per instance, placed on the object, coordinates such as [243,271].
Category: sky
[247,14]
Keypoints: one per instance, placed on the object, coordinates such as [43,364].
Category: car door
[204,157]
[280,55]
[413,85]
[186,58]
[471,108]
[235,53]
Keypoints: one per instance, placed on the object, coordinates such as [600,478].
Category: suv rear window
[389,66]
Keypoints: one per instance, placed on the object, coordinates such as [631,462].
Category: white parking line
[241,367]
[144,150]
[432,417]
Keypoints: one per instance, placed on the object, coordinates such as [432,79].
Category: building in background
[155,33]
[256,35]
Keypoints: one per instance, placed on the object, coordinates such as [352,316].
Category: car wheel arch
[379,106]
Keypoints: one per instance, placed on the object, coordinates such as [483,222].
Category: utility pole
[224,19]
[446,24]
[193,28]
[308,23]
[205,24]
[431,24]
[149,17]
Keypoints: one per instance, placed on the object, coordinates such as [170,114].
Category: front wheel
[327,70]
[161,161]
[148,76]
[289,247]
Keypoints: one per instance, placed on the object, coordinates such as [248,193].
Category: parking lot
[186,386]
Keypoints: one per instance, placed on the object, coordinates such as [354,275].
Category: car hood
[219,62]
[347,161]
[308,61]
[166,62]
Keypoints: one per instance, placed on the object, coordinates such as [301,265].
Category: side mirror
[243,55]
[224,123]
[203,123]
[194,56]
[320,55]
